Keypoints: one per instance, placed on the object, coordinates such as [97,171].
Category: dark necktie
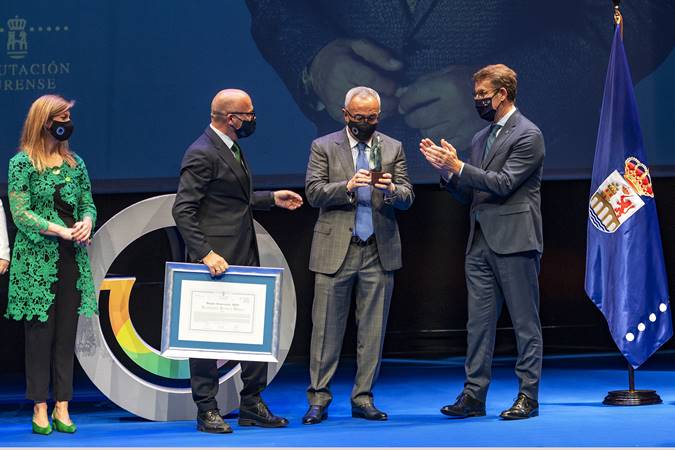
[236,151]
[494,128]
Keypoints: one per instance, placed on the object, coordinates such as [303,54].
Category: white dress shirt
[225,138]
[505,119]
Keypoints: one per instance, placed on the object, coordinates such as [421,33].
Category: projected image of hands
[345,63]
[440,106]
[437,104]
[420,56]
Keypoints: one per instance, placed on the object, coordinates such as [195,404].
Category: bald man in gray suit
[356,247]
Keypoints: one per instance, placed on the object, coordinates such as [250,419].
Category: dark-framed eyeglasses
[372,118]
[481,95]
[234,113]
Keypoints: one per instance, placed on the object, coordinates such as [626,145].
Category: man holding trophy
[358,178]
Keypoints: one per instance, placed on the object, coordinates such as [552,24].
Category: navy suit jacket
[214,202]
[504,190]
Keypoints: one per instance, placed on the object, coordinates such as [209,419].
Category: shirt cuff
[350,195]
[447,177]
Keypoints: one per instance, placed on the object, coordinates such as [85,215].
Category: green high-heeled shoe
[62,427]
[37,429]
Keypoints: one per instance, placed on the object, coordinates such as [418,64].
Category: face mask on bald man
[246,129]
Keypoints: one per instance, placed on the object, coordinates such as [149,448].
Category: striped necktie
[236,151]
[494,129]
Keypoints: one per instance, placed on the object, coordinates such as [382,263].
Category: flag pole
[632,396]
[618,17]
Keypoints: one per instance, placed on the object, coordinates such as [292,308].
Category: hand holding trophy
[379,179]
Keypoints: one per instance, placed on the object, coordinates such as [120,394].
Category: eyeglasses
[372,118]
[234,113]
[250,113]
[480,95]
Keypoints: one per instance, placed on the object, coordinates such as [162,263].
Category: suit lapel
[226,155]
[247,172]
[344,153]
[479,149]
[377,196]
[504,136]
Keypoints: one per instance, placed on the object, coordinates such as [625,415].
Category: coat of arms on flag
[619,197]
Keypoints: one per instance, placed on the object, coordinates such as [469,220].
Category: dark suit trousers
[493,279]
[50,345]
[204,382]
[204,375]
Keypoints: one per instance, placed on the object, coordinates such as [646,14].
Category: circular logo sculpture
[124,385]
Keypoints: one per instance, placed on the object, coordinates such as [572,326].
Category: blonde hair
[34,134]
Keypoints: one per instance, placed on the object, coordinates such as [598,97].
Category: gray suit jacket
[504,190]
[329,169]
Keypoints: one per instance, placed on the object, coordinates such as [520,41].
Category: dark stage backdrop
[428,312]
[144,73]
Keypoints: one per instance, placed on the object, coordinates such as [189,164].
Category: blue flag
[625,271]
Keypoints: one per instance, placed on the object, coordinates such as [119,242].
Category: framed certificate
[234,316]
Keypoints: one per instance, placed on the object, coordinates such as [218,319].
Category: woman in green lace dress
[50,277]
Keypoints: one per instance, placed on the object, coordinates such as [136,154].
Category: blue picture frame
[174,347]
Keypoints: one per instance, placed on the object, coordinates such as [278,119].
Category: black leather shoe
[465,406]
[315,414]
[259,415]
[211,422]
[523,408]
[368,411]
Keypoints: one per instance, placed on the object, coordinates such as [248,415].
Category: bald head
[228,109]
[231,100]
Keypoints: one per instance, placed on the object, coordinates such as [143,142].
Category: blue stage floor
[411,391]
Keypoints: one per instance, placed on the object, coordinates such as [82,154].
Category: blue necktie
[494,128]
[364,212]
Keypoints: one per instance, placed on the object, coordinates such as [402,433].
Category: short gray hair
[363,92]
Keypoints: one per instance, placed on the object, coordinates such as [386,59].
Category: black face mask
[362,131]
[246,129]
[61,131]
[485,109]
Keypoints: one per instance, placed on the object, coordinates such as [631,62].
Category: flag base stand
[632,397]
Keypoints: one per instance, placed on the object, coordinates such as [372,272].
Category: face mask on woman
[61,131]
